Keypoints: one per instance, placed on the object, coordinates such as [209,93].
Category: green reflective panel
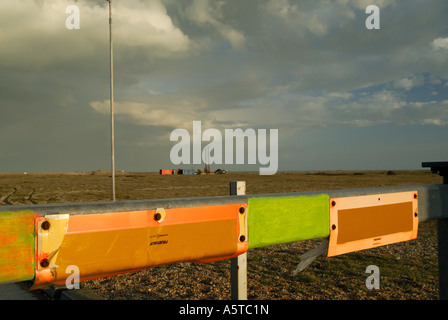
[16,246]
[275,220]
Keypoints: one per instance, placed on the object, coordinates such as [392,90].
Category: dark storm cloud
[292,65]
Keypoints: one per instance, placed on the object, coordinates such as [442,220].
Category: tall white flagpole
[112,99]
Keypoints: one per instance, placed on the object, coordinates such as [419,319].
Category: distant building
[176,171]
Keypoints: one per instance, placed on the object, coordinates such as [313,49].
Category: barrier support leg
[442,238]
[442,233]
[238,269]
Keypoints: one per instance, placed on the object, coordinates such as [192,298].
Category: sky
[342,96]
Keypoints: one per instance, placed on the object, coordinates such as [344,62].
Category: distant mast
[112,100]
[207,161]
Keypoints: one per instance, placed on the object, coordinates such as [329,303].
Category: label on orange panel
[358,223]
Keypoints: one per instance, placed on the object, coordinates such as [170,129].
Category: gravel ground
[408,271]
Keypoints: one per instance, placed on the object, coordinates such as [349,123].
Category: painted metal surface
[287,219]
[17,246]
[364,222]
[433,202]
[50,231]
[102,245]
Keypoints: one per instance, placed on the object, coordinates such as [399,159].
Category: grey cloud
[292,65]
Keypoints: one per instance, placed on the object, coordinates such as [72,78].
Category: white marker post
[238,267]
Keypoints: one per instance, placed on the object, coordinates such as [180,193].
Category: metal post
[442,239]
[442,233]
[238,265]
[112,100]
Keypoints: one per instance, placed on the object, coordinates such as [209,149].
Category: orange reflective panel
[358,223]
[111,243]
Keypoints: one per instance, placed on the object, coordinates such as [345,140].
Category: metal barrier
[41,242]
